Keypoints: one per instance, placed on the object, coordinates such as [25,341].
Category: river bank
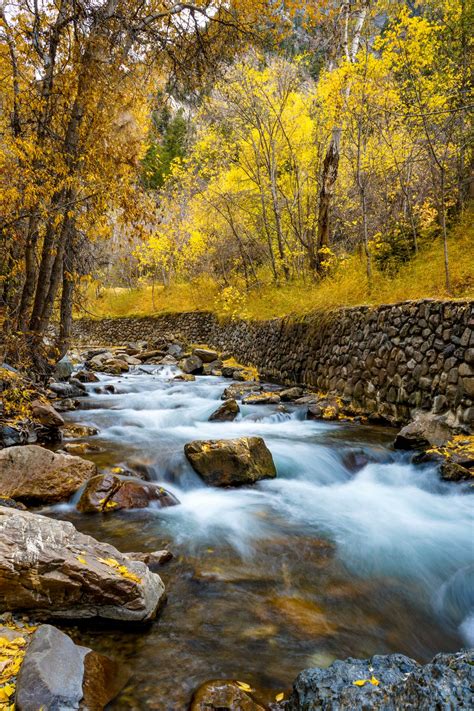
[350,551]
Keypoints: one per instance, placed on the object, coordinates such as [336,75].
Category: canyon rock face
[50,569]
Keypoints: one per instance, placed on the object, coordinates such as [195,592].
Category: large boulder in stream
[35,475]
[57,674]
[111,492]
[387,683]
[52,570]
[231,462]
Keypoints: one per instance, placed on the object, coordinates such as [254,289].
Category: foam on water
[389,519]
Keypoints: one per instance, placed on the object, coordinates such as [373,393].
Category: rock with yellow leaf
[34,475]
[231,462]
[49,568]
[387,683]
[225,695]
[113,492]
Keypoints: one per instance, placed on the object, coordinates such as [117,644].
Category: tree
[76,81]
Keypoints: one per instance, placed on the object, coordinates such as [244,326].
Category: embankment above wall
[389,360]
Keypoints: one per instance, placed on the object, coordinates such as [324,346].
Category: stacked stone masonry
[389,360]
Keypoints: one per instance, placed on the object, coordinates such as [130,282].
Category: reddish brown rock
[111,492]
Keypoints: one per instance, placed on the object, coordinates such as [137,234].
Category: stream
[350,551]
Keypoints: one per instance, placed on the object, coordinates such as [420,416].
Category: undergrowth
[422,277]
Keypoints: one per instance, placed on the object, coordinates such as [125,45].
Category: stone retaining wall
[389,360]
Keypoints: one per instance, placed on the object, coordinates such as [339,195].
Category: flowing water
[350,551]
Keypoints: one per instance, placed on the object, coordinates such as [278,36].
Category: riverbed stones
[45,414]
[192,365]
[206,355]
[86,376]
[63,369]
[237,391]
[74,431]
[227,412]
[66,390]
[111,492]
[57,674]
[223,695]
[35,475]
[153,560]
[185,377]
[52,570]
[290,394]
[424,431]
[263,398]
[387,683]
[231,462]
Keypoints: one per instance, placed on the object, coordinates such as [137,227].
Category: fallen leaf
[280,697]
[245,687]
[374,681]
[360,682]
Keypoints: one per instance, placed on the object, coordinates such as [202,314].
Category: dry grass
[423,277]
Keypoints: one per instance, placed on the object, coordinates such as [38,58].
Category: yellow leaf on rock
[280,696]
[81,560]
[374,681]
[244,686]
[360,682]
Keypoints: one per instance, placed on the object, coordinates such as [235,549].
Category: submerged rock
[388,683]
[153,560]
[224,695]
[57,674]
[49,568]
[111,492]
[227,412]
[231,462]
[36,475]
